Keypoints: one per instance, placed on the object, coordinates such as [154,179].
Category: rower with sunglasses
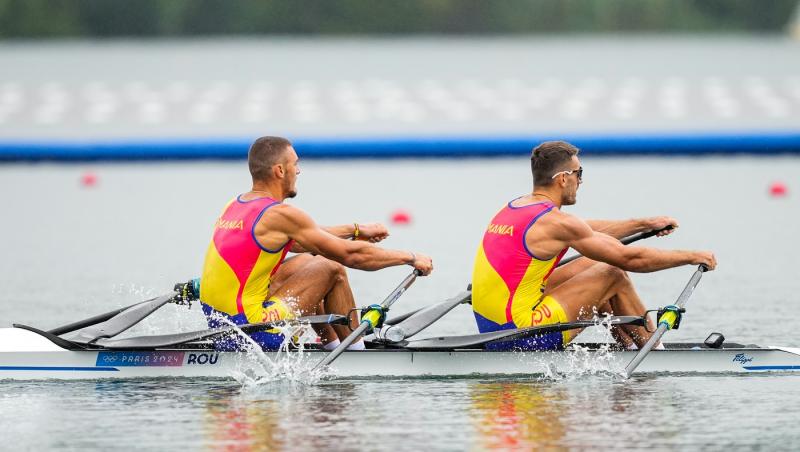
[516,282]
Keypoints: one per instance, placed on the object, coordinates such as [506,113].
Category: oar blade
[120,322]
[423,318]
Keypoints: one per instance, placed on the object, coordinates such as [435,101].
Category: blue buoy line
[698,144]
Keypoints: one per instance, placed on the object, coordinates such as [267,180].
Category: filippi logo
[742,358]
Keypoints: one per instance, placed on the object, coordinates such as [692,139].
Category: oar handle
[644,235]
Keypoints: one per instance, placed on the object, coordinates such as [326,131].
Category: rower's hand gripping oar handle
[645,235]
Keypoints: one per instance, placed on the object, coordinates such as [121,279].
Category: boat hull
[69,365]
[26,355]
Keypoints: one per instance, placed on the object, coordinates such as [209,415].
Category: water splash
[290,363]
[132,290]
[580,361]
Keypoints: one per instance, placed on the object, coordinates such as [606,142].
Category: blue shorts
[266,340]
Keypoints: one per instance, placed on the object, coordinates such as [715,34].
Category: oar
[371,319]
[625,241]
[122,321]
[100,318]
[422,318]
[667,320]
[183,294]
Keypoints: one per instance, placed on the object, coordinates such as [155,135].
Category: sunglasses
[579,172]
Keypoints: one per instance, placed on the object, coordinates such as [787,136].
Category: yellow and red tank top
[238,269]
[508,279]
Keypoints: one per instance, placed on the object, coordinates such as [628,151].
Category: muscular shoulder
[567,227]
[285,216]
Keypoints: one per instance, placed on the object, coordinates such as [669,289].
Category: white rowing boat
[91,348]
[27,355]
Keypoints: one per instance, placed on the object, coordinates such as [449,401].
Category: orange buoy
[88,179]
[401,217]
[778,189]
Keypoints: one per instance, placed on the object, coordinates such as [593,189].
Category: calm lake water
[71,252]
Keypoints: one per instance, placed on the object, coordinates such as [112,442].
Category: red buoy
[401,217]
[88,179]
[778,189]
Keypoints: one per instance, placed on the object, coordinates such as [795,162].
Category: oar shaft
[366,320]
[343,346]
[645,350]
[664,326]
[389,300]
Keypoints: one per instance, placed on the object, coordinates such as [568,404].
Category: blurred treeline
[160,18]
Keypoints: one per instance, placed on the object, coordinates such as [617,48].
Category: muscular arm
[297,225]
[624,228]
[371,232]
[344,231]
[617,228]
[595,245]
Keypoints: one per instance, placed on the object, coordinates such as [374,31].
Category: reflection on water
[689,411]
[230,423]
[521,415]
[517,415]
[277,416]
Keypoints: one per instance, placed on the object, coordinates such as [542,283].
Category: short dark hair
[549,158]
[263,154]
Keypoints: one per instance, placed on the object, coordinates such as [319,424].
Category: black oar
[422,318]
[100,318]
[669,319]
[184,294]
[625,241]
[122,321]
[371,319]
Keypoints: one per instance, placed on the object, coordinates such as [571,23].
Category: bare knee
[612,272]
[616,274]
[334,269]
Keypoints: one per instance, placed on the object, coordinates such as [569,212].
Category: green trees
[158,18]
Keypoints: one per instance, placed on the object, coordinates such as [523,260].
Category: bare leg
[596,286]
[315,285]
[565,272]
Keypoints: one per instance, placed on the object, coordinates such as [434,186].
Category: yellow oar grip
[669,319]
[375,315]
[670,316]
[372,317]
